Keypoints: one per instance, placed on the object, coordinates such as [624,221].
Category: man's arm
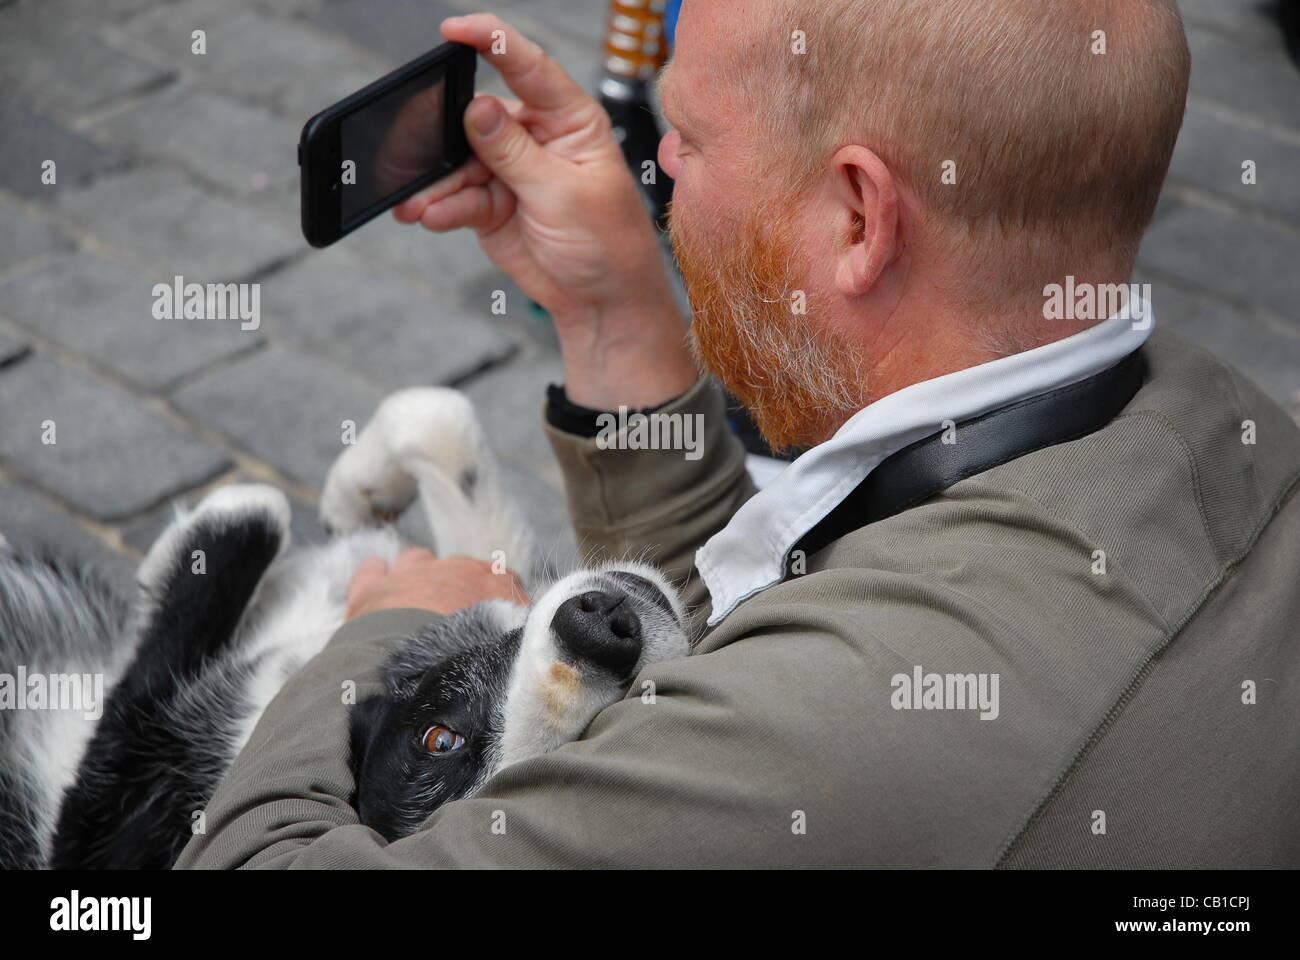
[287,799]
[293,780]
[717,764]
[657,505]
[782,742]
[551,200]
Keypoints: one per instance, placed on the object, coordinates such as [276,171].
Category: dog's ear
[407,665]
[404,672]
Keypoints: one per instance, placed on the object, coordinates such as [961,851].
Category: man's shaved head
[1049,137]
[913,173]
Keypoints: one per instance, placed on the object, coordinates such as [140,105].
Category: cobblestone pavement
[171,163]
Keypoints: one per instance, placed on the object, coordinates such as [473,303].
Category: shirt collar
[749,554]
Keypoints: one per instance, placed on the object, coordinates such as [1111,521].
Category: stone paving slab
[30,139]
[104,311]
[112,457]
[1250,22]
[32,523]
[331,305]
[195,129]
[286,409]
[443,263]
[12,349]
[510,401]
[63,67]
[400,30]
[140,534]
[158,218]
[25,238]
[582,21]
[1263,87]
[93,12]
[397,30]
[286,64]
[1211,153]
[1229,254]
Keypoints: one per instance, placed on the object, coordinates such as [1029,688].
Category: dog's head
[497,683]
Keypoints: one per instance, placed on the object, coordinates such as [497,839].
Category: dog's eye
[443,740]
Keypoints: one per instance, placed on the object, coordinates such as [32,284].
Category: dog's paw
[365,488]
[371,481]
[223,508]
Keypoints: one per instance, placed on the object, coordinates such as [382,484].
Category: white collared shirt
[749,554]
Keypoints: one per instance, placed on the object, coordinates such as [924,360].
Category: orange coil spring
[635,46]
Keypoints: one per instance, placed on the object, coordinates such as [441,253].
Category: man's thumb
[502,143]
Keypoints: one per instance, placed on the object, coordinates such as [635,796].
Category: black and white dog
[225,616]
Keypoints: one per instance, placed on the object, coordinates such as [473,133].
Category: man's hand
[554,206]
[548,193]
[419,579]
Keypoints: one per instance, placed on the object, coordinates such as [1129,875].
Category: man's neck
[924,349]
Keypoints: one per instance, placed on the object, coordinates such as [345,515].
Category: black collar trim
[925,468]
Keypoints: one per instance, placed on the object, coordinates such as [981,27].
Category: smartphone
[372,150]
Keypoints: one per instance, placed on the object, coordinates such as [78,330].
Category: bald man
[1029,599]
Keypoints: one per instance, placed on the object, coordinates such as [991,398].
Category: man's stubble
[799,379]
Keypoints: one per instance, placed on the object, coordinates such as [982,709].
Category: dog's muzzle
[600,627]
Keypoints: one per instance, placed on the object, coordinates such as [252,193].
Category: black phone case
[319,152]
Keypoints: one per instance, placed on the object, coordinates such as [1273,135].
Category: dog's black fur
[190,668]
[143,779]
[171,723]
[453,672]
[32,631]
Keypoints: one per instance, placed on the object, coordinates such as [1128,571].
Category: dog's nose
[600,626]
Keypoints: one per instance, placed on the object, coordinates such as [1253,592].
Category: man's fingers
[527,70]
[513,107]
[553,104]
[505,147]
[412,556]
[368,571]
[472,174]
[480,208]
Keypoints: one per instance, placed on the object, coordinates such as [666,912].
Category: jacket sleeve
[689,776]
[656,505]
[781,743]
[293,780]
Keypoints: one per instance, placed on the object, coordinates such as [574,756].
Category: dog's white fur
[537,717]
[420,442]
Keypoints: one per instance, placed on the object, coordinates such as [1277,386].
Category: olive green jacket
[1136,592]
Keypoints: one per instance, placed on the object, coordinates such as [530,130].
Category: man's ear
[866,198]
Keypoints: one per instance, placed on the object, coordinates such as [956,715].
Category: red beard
[798,381]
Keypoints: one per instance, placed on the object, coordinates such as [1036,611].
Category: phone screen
[392,137]
[392,141]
